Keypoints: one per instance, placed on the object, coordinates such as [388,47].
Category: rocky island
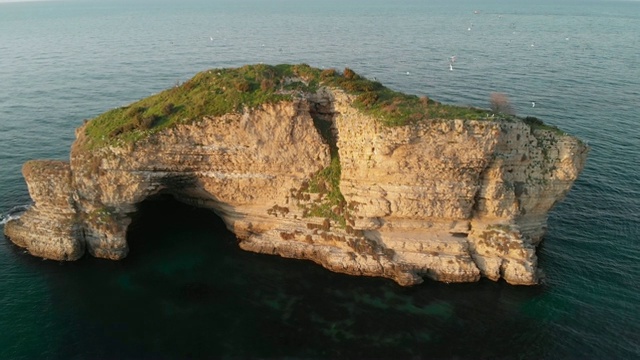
[313,164]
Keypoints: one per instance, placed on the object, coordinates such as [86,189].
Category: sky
[10,1]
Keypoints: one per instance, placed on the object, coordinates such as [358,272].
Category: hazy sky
[6,1]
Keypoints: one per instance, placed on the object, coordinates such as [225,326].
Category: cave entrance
[164,225]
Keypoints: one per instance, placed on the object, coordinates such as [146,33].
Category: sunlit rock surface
[452,200]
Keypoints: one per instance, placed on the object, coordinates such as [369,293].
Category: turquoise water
[187,291]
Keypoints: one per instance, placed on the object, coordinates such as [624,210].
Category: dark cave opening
[161,221]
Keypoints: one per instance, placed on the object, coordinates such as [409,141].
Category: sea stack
[313,164]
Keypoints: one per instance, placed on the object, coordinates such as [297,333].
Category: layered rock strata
[452,200]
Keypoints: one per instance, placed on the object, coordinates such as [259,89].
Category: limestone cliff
[315,175]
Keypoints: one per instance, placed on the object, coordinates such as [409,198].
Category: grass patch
[210,93]
[394,108]
[327,183]
[217,92]
[537,124]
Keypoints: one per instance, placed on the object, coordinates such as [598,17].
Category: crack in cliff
[326,182]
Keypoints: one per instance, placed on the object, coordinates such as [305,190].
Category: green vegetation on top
[220,91]
[210,93]
[537,124]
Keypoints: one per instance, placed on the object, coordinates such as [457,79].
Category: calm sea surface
[187,290]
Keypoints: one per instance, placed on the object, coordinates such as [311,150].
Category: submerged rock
[314,165]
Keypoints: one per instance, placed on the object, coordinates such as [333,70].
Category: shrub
[145,122]
[242,85]
[267,74]
[305,71]
[149,121]
[359,85]
[349,74]
[186,86]
[168,109]
[391,107]
[368,98]
[128,127]
[417,117]
[500,104]
[116,132]
[121,130]
[266,84]
[132,112]
[533,121]
[327,73]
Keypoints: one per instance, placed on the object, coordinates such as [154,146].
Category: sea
[187,291]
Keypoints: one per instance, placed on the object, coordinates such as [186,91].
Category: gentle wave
[15,213]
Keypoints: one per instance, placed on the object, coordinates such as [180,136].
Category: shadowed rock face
[452,200]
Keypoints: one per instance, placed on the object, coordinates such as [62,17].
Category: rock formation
[316,176]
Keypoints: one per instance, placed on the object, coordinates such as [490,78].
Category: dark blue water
[187,290]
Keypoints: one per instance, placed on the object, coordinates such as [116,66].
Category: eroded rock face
[50,228]
[452,200]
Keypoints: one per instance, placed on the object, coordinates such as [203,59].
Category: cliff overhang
[313,164]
